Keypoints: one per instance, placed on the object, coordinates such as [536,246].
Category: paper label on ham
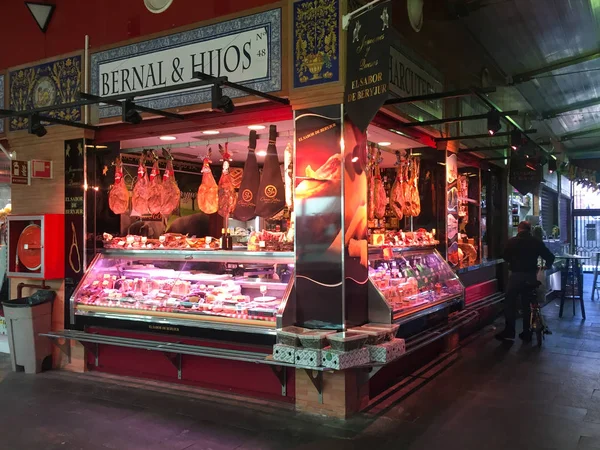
[208,192]
[271,190]
[246,200]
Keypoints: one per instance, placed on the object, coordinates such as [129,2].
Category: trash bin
[26,318]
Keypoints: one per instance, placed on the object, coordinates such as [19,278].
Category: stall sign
[525,174]
[367,72]
[74,209]
[246,50]
[20,173]
[41,169]
[408,79]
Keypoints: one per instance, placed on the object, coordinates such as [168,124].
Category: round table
[572,275]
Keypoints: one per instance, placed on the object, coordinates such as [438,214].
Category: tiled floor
[485,396]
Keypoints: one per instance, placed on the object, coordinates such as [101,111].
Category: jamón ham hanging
[380,197]
[208,192]
[396,200]
[171,194]
[141,190]
[118,199]
[226,191]
[155,189]
[246,201]
[271,191]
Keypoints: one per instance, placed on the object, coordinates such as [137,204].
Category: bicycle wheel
[539,334]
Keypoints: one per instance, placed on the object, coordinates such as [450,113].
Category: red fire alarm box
[36,246]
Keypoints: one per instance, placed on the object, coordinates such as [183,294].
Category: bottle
[229,239]
[223,239]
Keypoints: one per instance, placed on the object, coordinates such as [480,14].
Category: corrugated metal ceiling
[527,35]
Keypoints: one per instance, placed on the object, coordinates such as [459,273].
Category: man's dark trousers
[520,285]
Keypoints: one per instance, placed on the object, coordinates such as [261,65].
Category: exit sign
[41,169]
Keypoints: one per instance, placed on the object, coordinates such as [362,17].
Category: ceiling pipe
[560,64]
[426,123]
[481,136]
[436,96]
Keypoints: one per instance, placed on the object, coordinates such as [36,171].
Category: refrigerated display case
[406,283]
[172,290]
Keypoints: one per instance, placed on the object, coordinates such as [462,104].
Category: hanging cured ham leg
[118,199]
[396,195]
[171,194]
[155,189]
[141,190]
[226,191]
[208,192]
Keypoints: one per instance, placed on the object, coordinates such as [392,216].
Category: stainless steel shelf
[233,256]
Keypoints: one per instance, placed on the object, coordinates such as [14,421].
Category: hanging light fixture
[221,102]
[36,127]
[493,122]
[129,113]
[551,164]
[515,139]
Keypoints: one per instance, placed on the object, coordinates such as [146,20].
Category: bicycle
[537,324]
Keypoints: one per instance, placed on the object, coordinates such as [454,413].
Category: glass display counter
[228,290]
[407,281]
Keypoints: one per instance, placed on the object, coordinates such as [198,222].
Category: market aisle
[486,395]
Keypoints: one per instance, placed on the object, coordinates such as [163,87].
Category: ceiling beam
[483,149]
[560,64]
[584,153]
[137,107]
[576,134]
[481,136]
[510,120]
[426,123]
[436,96]
[551,114]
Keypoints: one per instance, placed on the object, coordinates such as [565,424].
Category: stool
[595,283]
[572,278]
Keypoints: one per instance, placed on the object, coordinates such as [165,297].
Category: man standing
[521,254]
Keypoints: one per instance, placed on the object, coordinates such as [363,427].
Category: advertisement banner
[246,50]
[368,64]
[318,205]
[356,250]
[74,192]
